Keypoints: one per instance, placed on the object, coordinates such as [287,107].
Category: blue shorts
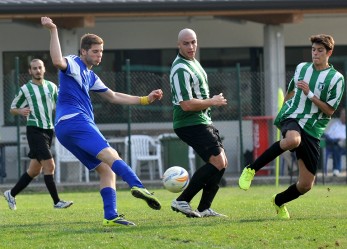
[82,138]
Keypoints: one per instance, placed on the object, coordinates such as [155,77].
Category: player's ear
[329,53]
[83,51]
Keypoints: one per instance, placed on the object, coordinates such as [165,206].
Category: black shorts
[204,139]
[309,148]
[40,141]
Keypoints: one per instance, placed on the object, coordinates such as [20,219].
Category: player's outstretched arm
[126,99]
[54,48]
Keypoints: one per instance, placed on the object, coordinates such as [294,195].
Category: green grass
[318,220]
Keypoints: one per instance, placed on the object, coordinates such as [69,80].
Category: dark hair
[326,40]
[35,60]
[88,40]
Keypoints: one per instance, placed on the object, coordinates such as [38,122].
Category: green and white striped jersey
[188,80]
[41,100]
[328,85]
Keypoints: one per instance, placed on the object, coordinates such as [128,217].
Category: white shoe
[184,208]
[336,172]
[10,200]
[63,204]
[210,213]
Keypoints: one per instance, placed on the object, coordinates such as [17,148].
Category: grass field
[319,220]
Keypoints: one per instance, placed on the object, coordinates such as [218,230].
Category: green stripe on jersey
[327,85]
[188,80]
[41,101]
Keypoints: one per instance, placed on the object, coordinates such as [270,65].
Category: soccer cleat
[119,220]
[246,178]
[210,213]
[63,204]
[282,212]
[10,200]
[143,194]
[184,208]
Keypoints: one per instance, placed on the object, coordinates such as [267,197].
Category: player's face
[187,46]
[93,56]
[320,55]
[37,70]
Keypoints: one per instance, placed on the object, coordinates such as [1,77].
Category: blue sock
[109,198]
[120,168]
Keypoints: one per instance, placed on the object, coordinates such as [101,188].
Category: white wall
[298,34]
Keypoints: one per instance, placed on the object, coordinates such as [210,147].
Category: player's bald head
[186,33]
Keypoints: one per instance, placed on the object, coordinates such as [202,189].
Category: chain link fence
[243,123]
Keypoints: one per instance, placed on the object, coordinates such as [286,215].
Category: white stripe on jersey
[40,104]
[339,87]
[187,75]
[98,85]
[75,70]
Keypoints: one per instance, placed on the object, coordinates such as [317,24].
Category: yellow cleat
[119,220]
[148,197]
[246,178]
[282,212]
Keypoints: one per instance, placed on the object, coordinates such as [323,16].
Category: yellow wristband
[144,100]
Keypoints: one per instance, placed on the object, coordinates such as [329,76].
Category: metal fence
[156,119]
[142,83]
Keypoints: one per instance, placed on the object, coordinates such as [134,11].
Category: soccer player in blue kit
[75,127]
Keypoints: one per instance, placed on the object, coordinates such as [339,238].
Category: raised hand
[47,22]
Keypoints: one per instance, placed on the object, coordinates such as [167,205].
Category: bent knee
[304,188]
[292,142]
[220,161]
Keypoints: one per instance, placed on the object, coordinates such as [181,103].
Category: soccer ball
[175,179]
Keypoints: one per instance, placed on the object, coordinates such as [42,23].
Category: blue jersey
[74,86]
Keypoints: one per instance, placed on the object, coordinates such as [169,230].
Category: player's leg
[208,194]
[33,170]
[291,140]
[109,197]
[83,139]
[48,167]
[308,156]
[41,139]
[210,190]
[110,156]
[206,142]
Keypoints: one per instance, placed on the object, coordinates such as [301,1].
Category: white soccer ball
[175,179]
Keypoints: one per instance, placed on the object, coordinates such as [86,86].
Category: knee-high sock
[109,199]
[209,191]
[52,188]
[198,181]
[120,168]
[268,155]
[22,183]
[291,193]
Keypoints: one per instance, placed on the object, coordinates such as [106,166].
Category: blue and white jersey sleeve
[74,86]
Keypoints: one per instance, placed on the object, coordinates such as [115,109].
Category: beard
[38,77]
